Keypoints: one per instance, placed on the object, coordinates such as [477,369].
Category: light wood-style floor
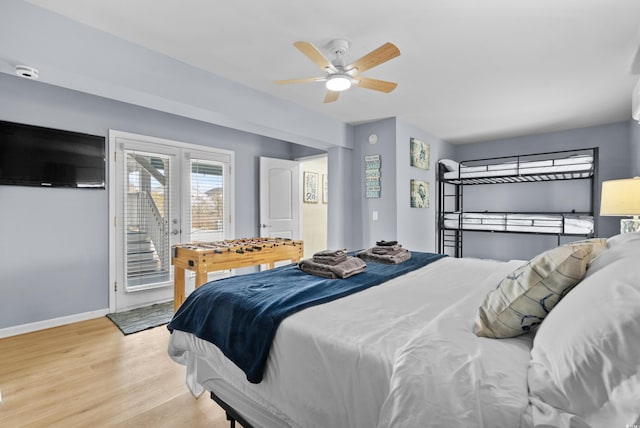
[89,375]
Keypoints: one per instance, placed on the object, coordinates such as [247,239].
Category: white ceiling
[469,70]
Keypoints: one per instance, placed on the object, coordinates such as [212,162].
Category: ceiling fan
[341,77]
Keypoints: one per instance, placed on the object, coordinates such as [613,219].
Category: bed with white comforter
[403,354]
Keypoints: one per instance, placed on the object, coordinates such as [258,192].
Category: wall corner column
[340,211]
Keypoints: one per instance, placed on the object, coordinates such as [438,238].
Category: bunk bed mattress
[579,225]
[350,362]
[581,165]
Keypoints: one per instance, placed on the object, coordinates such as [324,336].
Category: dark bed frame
[232,415]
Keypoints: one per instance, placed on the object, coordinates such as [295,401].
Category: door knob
[175,231]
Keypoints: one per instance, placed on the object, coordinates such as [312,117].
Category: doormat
[144,318]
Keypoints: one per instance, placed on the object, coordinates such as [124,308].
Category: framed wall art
[372,176]
[419,153]
[310,187]
[419,194]
[325,189]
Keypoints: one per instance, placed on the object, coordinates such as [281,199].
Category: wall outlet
[375,216]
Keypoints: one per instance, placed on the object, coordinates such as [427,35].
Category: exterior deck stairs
[142,257]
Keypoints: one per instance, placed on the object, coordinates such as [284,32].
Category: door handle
[265,225]
[175,231]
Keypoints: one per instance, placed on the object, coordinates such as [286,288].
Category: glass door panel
[147,210]
[207,200]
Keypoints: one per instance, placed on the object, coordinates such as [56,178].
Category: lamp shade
[620,197]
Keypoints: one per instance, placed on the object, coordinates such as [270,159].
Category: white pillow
[624,239]
[450,164]
[575,159]
[585,361]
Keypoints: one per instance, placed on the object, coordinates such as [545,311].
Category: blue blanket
[240,315]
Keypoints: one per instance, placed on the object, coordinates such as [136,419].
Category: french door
[162,193]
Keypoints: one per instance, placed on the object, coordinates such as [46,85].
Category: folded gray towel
[350,267]
[318,269]
[384,243]
[330,257]
[330,253]
[329,260]
[402,256]
[391,249]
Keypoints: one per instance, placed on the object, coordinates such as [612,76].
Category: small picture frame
[419,194]
[419,153]
[325,189]
[310,188]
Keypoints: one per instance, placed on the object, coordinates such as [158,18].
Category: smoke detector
[27,72]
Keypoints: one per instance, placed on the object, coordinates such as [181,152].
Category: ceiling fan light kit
[340,77]
[338,82]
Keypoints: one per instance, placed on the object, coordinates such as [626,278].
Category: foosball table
[205,257]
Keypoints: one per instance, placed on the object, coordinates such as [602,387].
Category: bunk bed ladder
[448,238]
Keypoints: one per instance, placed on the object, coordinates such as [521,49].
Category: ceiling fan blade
[331,96]
[375,84]
[376,57]
[315,55]
[303,80]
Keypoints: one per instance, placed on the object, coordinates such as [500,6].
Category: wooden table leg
[201,277]
[178,287]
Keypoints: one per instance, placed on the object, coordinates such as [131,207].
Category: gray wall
[417,226]
[341,217]
[413,227]
[366,231]
[615,149]
[634,137]
[54,251]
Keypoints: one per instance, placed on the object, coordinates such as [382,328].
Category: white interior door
[279,198]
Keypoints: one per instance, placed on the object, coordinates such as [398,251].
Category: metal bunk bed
[453,177]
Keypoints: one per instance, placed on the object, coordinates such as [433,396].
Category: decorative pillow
[598,245]
[525,297]
[585,360]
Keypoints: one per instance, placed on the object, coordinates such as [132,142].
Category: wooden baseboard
[54,322]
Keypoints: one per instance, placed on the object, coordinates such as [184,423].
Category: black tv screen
[36,156]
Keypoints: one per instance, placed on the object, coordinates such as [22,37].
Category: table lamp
[622,198]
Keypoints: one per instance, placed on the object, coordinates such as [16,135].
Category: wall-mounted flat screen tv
[44,157]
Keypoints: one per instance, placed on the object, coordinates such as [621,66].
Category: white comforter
[446,376]
[399,354]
